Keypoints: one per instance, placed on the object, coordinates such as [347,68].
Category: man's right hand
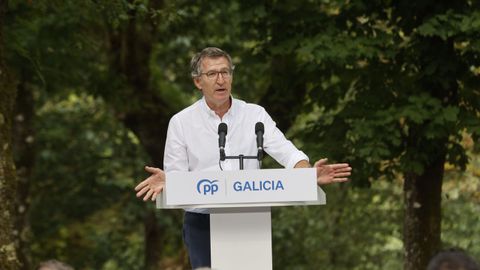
[153,185]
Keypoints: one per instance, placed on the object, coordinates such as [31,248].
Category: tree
[356,69]
[120,69]
[406,75]
[83,211]
[8,181]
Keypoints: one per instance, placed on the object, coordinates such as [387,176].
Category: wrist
[302,164]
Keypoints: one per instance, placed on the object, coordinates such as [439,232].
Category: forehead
[215,63]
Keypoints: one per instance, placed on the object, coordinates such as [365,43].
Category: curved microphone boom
[222,134]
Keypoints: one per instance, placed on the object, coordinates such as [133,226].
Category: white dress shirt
[192,139]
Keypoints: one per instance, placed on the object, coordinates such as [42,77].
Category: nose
[220,78]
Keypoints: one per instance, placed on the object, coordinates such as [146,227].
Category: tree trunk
[142,111]
[24,156]
[8,244]
[422,195]
[423,192]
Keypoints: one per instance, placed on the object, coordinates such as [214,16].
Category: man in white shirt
[192,144]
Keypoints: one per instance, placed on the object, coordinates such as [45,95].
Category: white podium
[239,205]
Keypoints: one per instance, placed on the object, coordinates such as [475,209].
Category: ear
[197,82]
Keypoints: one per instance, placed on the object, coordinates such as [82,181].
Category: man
[192,144]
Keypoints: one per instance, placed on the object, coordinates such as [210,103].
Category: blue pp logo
[207,187]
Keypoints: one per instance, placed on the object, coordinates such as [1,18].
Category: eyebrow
[216,70]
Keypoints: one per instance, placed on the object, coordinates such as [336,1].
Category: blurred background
[87,89]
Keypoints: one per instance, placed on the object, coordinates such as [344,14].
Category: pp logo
[206,186]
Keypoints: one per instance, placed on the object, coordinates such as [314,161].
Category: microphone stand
[241,158]
[259,130]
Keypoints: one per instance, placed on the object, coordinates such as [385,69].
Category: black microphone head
[259,127]
[222,128]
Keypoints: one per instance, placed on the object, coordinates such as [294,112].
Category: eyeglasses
[213,75]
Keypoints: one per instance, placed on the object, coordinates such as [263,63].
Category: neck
[220,109]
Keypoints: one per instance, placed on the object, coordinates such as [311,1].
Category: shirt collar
[231,111]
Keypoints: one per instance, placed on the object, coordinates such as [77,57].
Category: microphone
[259,130]
[222,133]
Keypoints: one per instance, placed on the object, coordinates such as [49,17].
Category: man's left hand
[331,173]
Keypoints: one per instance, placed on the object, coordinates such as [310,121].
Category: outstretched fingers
[149,193]
[342,174]
[153,185]
[340,166]
[142,191]
[145,183]
[155,195]
[142,184]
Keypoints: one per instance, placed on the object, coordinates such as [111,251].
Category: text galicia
[258,185]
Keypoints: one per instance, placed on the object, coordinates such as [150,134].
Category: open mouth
[221,90]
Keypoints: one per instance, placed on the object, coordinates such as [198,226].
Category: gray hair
[209,52]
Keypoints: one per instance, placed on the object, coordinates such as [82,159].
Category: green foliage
[83,210]
[362,228]
[357,229]
[452,24]
[461,203]
[388,101]
[385,89]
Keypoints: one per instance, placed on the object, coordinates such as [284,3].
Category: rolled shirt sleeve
[279,147]
[175,155]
